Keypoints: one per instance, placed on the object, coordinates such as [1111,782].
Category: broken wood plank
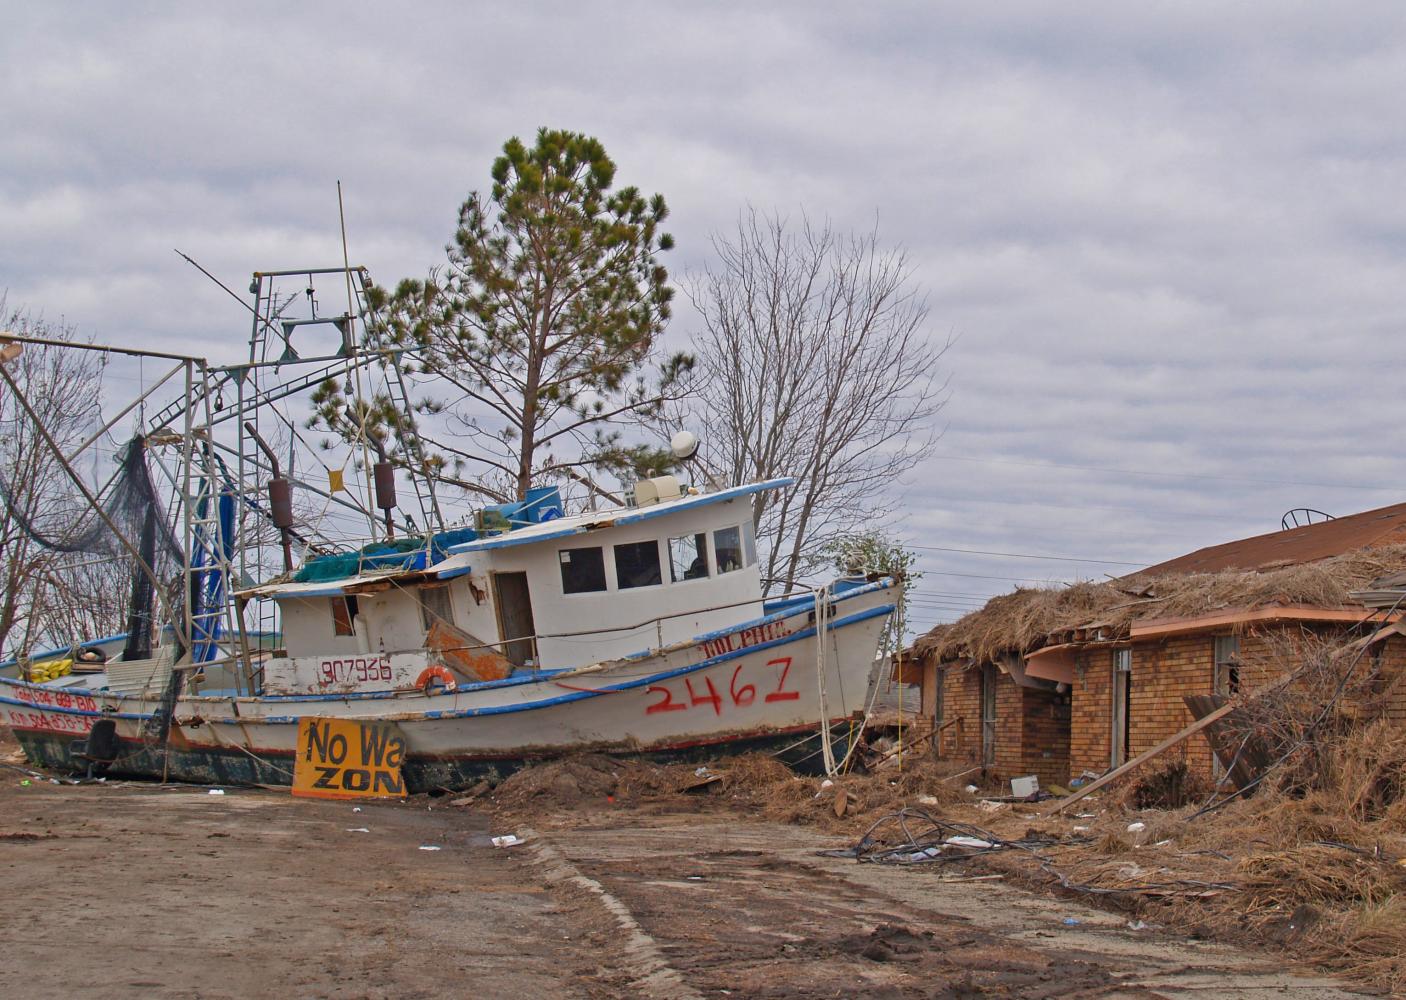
[1143,758]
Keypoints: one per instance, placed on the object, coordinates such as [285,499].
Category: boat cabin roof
[457,563]
[580,524]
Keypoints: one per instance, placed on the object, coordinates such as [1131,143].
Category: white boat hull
[762,684]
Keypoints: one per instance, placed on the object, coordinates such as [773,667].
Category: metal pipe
[280,498]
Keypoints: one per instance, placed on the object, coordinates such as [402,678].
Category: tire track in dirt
[746,908]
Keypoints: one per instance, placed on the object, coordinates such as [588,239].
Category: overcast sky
[1168,238]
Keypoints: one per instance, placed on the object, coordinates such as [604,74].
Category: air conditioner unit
[649,492]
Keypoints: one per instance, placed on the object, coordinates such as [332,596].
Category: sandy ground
[132,890]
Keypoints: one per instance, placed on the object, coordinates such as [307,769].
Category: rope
[827,752]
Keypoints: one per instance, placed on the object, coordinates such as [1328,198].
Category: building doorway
[515,625]
[1122,695]
[988,715]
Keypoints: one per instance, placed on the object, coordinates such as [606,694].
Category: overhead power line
[1166,475]
[1008,579]
[1028,555]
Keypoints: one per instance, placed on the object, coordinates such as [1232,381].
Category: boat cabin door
[515,625]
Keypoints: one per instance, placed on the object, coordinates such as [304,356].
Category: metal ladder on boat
[431,518]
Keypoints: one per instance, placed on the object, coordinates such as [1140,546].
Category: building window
[749,543]
[582,570]
[637,564]
[1227,655]
[688,557]
[727,549]
[344,615]
[435,607]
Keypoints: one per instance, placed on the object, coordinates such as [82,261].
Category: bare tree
[63,386]
[75,597]
[814,362]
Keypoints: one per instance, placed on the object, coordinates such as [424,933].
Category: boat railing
[657,622]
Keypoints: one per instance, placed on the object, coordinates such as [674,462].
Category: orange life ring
[435,672]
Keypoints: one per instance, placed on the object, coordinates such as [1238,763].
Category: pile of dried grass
[1321,874]
[1022,620]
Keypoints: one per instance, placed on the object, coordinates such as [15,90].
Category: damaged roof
[1027,619]
[1294,546]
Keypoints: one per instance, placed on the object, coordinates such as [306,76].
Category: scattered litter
[430,847]
[1081,829]
[356,809]
[25,783]
[1025,787]
[1136,827]
[1085,815]
[1138,925]
[701,771]
[928,800]
[1163,843]
[694,878]
[973,789]
[824,784]
[216,791]
[357,829]
[1071,922]
[507,840]
[973,842]
[990,805]
[925,854]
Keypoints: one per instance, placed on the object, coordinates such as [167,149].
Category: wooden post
[1143,758]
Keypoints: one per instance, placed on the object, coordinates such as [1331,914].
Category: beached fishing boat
[439,657]
[657,642]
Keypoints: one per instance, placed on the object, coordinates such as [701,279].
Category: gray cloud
[1166,238]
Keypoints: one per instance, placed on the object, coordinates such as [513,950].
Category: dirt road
[142,891]
[171,892]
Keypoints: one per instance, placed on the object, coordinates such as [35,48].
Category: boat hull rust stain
[185,762]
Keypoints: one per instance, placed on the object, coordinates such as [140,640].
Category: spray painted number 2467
[703,692]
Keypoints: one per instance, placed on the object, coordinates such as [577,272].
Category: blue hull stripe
[884,609]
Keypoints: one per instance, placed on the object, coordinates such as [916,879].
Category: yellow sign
[339,759]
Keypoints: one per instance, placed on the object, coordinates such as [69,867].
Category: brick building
[1057,683]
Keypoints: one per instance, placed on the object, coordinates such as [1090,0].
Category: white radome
[684,444]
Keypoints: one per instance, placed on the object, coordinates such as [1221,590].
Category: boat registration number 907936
[354,670]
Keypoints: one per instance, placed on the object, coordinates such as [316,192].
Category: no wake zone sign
[340,759]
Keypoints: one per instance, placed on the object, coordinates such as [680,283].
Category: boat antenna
[216,280]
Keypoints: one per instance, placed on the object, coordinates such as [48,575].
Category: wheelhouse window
[727,549]
[637,564]
[749,543]
[582,570]
[688,557]
[343,615]
[435,607]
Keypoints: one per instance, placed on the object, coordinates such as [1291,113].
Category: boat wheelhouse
[552,592]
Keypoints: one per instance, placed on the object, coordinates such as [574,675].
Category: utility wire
[1026,555]
[1165,475]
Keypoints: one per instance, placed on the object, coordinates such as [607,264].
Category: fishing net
[131,505]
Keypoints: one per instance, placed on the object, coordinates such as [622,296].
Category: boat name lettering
[358,669]
[753,635]
[704,692]
[51,721]
[58,699]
